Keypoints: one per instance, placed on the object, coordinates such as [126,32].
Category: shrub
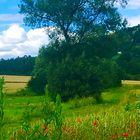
[82,77]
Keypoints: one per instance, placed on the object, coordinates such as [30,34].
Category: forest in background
[17,66]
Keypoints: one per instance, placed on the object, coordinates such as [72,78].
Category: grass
[14,106]
[117,117]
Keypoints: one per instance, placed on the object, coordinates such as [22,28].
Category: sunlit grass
[83,118]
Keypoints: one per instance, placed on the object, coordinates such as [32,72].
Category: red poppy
[125,134]
[11,138]
[94,123]
[45,128]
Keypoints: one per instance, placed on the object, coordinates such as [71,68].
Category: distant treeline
[17,66]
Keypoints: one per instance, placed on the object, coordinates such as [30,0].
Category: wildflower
[125,134]
[94,123]
[45,129]
[79,120]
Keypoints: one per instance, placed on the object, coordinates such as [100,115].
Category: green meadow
[116,117]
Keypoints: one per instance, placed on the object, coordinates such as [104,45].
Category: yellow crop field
[14,78]
[15,83]
[130,82]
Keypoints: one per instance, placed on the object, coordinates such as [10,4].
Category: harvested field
[15,83]
[16,79]
[130,82]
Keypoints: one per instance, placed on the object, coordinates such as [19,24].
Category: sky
[18,40]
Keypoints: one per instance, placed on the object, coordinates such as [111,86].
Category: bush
[37,84]
[82,77]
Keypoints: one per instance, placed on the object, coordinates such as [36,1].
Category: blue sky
[18,40]
[9,13]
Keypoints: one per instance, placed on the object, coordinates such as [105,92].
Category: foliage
[76,69]
[37,84]
[129,60]
[51,118]
[39,78]
[78,17]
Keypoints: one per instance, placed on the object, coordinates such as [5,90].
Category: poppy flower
[94,123]
[45,129]
[125,134]
[11,138]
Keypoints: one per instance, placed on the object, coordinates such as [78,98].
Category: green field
[117,117]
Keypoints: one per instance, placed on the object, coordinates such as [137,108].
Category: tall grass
[116,118]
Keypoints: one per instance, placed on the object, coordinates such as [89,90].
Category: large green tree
[73,17]
[82,63]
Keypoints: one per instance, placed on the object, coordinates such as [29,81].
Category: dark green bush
[74,70]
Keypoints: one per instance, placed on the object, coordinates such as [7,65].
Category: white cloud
[14,33]
[11,17]
[15,41]
[133,4]
[133,21]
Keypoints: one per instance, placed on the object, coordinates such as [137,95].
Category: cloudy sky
[18,40]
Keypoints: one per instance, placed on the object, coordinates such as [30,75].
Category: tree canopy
[85,62]
[73,17]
